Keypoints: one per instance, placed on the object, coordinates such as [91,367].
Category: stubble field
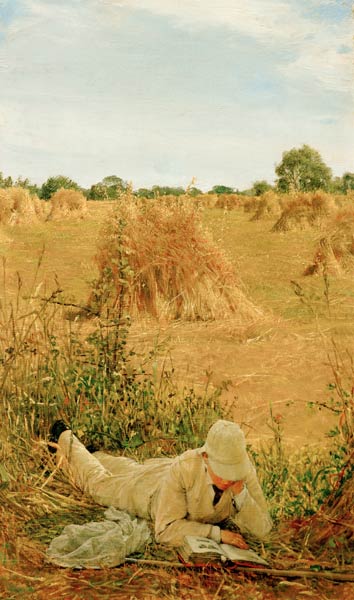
[282,360]
[273,375]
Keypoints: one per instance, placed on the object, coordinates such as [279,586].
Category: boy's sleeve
[251,512]
[171,521]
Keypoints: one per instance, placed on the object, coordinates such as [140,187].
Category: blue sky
[161,91]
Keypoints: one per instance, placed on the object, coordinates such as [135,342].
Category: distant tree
[114,181]
[260,187]
[20,182]
[109,188]
[98,192]
[347,182]
[336,185]
[25,183]
[302,169]
[5,181]
[166,190]
[53,184]
[221,189]
[144,193]
[194,191]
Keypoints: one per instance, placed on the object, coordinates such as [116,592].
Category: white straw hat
[226,448]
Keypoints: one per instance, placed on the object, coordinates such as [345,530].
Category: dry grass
[41,501]
[67,204]
[335,252]
[331,528]
[167,265]
[18,206]
[335,520]
[305,210]
[270,205]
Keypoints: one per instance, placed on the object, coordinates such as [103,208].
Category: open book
[201,550]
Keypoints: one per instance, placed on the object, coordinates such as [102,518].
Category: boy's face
[222,484]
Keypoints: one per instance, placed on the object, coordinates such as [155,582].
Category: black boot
[55,431]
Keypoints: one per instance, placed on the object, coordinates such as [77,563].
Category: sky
[164,91]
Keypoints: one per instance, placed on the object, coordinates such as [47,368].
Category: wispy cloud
[161,90]
[313,45]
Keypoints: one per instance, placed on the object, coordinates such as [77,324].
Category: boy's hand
[235,539]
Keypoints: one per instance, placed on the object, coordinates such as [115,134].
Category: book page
[202,545]
[237,554]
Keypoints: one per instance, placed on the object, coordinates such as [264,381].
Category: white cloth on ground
[101,544]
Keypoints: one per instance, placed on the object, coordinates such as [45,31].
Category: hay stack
[156,255]
[204,200]
[251,204]
[269,205]
[67,204]
[200,201]
[305,210]
[228,201]
[335,252]
[18,206]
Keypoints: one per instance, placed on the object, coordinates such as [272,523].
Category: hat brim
[230,472]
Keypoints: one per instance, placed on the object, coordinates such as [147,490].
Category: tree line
[300,170]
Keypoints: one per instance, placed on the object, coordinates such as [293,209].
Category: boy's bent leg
[88,473]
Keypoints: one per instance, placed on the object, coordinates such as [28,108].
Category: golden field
[281,359]
[256,340]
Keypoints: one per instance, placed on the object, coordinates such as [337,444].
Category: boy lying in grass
[187,495]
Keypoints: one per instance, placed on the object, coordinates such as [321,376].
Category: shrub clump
[305,210]
[158,256]
[67,203]
[18,206]
[335,252]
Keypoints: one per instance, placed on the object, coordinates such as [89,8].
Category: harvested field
[280,364]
